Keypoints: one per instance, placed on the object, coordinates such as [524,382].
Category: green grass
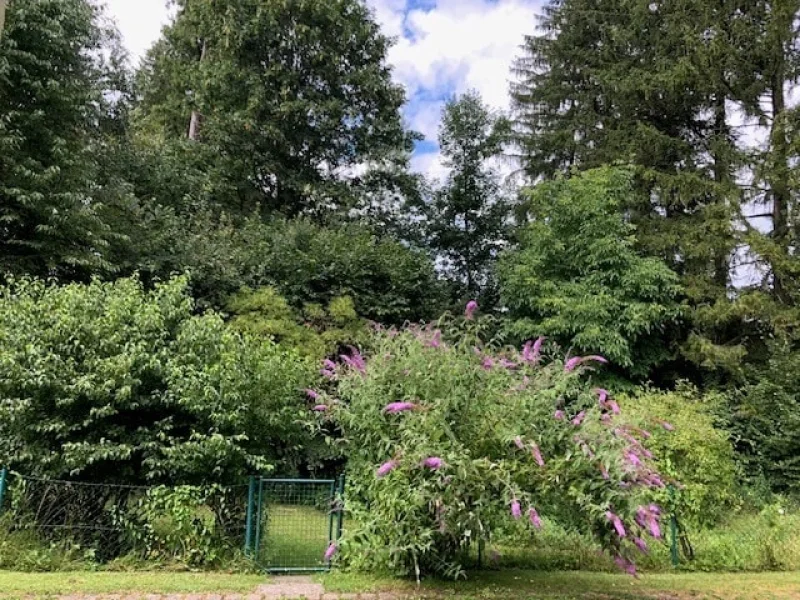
[16,584]
[536,585]
[295,536]
[519,585]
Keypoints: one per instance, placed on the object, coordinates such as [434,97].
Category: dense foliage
[691,450]
[109,382]
[51,76]
[180,243]
[282,101]
[458,437]
[575,275]
[468,217]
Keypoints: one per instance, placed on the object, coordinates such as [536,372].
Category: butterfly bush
[448,438]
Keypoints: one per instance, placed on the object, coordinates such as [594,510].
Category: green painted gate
[292,522]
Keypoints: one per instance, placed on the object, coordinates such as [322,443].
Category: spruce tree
[642,83]
[50,99]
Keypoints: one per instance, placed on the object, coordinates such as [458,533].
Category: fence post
[248,534]
[3,486]
[673,529]
[257,520]
[340,520]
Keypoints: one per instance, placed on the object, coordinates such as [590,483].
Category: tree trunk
[778,178]
[194,123]
[722,176]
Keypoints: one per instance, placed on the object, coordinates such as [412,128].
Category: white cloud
[140,22]
[444,47]
[429,163]
[452,46]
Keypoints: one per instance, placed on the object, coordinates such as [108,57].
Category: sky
[443,48]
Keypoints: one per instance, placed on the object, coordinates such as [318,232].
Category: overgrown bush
[109,382]
[765,419]
[316,331]
[689,450]
[448,438]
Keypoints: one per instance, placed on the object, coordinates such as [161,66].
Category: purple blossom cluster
[632,467]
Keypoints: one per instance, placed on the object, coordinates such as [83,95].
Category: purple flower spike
[321,408]
[328,374]
[653,528]
[507,364]
[572,364]
[527,352]
[436,340]
[387,468]
[516,509]
[488,363]
[433,462]
[518,443]
[398,407]
[625,565]
[329,364]
[595,358]
[667,426]
[531,351]
[617,522]
[632,458]
[640,544]
[559,415]
[537,455]
[602,396]
[536,521]
[330,551]
[647,517]
[312,394]
[613,406]
[469,312]
[579,418]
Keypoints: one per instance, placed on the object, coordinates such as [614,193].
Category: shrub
[315,332]
[443,436]
[690,450]
[109,382]
[576,275]
[765,419]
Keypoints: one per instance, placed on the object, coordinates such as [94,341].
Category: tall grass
[768,540]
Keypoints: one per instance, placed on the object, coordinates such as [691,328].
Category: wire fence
[276,525]
[199,526]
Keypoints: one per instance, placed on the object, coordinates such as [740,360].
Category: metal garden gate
[292,522]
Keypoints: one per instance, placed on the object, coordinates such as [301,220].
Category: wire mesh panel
[297,520]
[103,522]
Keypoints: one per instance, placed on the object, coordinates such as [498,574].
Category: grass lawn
[506,585]
[294,536]
[16,584]
[535,585]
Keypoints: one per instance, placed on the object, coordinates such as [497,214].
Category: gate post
[340,519]
[3,486]
[673,529]
[248,532]
[257,523]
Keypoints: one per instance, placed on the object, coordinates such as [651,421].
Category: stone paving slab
[280,588]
